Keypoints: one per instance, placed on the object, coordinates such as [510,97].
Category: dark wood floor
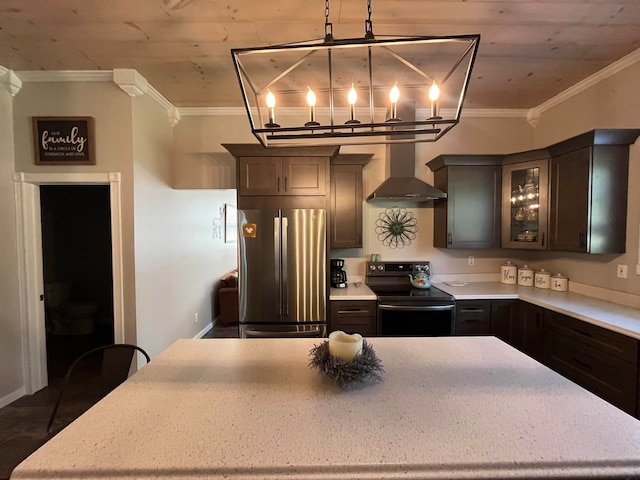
[23,423]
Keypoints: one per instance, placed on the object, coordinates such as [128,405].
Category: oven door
[411,320]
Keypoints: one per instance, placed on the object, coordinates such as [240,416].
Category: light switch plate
[638,269]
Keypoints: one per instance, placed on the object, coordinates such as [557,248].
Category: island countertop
[449,407]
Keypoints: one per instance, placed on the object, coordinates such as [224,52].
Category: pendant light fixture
[347,91]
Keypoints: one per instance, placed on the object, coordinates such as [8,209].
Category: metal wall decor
[396,227]
[349,89]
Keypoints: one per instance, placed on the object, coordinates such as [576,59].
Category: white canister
[542,279]
[525,276]
[508,273]
[559,283]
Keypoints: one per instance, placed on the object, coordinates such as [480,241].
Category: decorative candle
[271,105]
[311,101]
[394,95]
[434,94]
[345,346]
[352,97]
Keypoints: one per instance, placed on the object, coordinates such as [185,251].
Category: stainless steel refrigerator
[282,272]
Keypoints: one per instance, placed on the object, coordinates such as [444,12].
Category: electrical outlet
[622,271]
[471,260]
[195,317]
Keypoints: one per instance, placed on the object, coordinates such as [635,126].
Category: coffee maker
[338,275]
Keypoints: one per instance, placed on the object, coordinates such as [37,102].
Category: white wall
[179,255]
[12,336]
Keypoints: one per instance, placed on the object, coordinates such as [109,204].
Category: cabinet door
[589,199]
[470,216]
[502,314]
[304,175]
[525,189]
[570,201]
[473,317]
[346,206]
[528,329]
[260,176]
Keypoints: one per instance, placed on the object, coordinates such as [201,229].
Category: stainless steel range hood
[402,183]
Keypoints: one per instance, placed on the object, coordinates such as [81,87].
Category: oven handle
[415,308]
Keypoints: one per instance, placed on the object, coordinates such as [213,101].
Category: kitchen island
[449,407]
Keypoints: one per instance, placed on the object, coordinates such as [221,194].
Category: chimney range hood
[402,183]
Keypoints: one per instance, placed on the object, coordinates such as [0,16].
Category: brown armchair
[228,298]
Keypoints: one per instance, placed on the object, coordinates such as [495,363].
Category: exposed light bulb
[352,96]
[311,97]
[311,101]
[271,105]
[271,99]
[394,94]
[434,92]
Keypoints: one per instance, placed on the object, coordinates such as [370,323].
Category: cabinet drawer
[354,316]
[607,376]
[600,338]
[473,317]
[353,308]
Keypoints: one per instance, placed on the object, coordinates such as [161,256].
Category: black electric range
[390,282]
[405,311]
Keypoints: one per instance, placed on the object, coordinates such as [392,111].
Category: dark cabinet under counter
[354,316]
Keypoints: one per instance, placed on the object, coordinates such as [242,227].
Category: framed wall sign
[63,140]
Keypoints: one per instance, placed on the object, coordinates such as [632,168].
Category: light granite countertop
[448,408]
[355,291]
[610,315]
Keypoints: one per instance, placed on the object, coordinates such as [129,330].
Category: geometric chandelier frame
[348,91]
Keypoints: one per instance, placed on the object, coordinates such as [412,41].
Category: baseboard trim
[206,329]
[12,397]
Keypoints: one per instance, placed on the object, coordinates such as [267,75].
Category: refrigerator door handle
[277,235]
[285,269]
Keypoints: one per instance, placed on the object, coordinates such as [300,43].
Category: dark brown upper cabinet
[470,215]
[346,200]
[589,191]
[282,176]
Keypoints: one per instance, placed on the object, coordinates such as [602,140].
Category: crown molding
[130,81]
[134,84]
[10,80]
[608,71]
[65,75]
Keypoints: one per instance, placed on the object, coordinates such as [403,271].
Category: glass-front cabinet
[525,189]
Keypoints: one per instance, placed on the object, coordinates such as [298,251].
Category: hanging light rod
[351,88]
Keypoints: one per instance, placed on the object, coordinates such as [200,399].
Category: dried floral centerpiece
[348,360]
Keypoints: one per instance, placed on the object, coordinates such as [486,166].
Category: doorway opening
[77,272]
[31,267]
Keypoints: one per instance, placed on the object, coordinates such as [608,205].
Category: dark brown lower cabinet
[473,317]
[528,329]
[502,314]
[601,360]
[354,316]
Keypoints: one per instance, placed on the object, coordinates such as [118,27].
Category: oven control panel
[392,269]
